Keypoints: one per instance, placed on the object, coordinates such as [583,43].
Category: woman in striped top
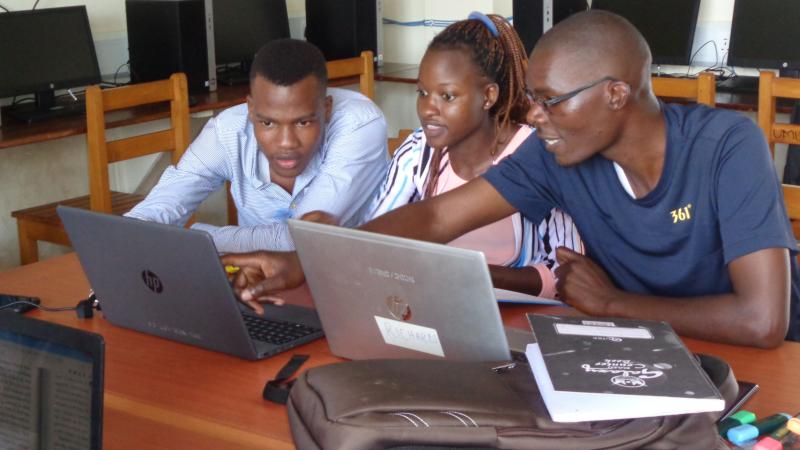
[472,106]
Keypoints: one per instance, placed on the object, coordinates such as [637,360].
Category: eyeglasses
[547,102]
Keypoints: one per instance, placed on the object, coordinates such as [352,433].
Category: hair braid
[500,59]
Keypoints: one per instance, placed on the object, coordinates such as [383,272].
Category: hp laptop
[52,385]
[168,281]
[387,297]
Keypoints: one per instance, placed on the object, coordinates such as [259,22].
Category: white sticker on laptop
[410,336]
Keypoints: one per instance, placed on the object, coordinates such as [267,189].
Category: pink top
[496,240]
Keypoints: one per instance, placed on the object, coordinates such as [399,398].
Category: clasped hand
[582,284]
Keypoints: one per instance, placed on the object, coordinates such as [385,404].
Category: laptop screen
[51,385]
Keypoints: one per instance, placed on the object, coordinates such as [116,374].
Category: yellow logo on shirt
[682,214]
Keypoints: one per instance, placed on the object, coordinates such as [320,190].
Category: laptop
[168,281]
[52,385]
[381,296]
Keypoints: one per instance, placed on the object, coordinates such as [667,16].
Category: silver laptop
[382,296]
[168,281]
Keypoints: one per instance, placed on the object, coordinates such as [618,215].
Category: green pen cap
[744,416]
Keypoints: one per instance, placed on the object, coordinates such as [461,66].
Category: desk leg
[28,247]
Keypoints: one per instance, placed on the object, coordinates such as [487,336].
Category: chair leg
[28,247]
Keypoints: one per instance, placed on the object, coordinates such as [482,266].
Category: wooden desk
[163,394]
[14,133]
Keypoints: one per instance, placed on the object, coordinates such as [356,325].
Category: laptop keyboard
[276,331]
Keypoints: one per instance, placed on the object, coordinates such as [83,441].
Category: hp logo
[152,281]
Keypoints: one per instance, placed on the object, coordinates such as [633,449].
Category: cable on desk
[85,308]
[43,308]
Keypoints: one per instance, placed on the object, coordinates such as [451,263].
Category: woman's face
[453,99]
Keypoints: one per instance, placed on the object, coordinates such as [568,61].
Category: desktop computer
[168,36]
[344,28]
[532,18]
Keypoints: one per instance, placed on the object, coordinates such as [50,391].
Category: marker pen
[744,433]
[794,424]
[741,417]
[774,441]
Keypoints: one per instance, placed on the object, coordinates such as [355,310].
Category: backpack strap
[277,390]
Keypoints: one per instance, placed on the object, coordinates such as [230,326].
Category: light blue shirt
[340,179]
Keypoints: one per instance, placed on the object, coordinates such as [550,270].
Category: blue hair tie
[475,15]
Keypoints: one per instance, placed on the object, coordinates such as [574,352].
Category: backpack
[435,404]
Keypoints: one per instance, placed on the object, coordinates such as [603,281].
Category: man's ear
[249,105]
[619,92]
[328,108]
[490,94]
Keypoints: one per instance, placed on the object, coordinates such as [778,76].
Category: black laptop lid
[51,385]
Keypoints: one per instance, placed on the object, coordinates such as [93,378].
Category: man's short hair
[286,61]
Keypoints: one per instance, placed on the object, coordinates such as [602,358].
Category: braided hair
[501,59]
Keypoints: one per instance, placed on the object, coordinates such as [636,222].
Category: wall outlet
[723,47]
[717,31]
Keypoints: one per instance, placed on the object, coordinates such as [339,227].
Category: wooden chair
[770,88]
[339,73]
[41,223]
[791,198]
[395,142]
[703,88]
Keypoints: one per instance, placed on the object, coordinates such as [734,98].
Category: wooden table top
[164,394]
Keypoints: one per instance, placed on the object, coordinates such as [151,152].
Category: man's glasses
[547,102]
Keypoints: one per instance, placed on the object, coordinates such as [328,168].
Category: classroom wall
[44,172]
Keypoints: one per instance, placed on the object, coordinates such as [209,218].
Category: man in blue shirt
[295,147]
[679,206]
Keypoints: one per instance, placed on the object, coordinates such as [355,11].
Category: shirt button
[293,205]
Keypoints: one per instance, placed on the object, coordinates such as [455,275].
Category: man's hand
[263,273]
[582,284]
[320,217]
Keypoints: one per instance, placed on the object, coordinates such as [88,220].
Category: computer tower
[343,28]
[532,18]
[168,36]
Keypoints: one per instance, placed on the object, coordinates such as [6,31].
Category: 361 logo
[152,281]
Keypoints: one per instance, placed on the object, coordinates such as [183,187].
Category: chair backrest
[703,88]
[771,87]
[395,142]
[101,152]
[791,198]
[360,66]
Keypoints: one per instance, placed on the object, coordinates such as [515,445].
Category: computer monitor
[765,34]
[667,25]
[43,50]
[241,27]
[533,18]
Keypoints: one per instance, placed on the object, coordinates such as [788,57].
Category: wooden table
[13,133]
[163,394]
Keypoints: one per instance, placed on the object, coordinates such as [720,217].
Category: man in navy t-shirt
[680,207]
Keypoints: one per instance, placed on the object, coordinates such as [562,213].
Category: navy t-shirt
[718,199]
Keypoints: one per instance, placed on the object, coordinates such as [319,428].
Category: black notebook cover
[620,358]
